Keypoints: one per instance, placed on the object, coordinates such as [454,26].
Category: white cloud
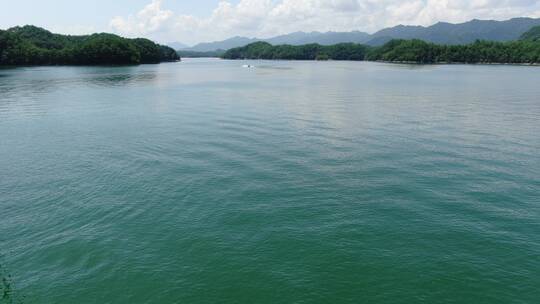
[263,18]
[150,19]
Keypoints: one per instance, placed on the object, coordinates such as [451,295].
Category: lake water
[291,182]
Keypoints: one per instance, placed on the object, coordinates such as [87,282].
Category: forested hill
[458,34]
[417,51]
[532,34]
[264,50]
[30,45]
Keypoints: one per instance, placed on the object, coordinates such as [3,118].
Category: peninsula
[31,45]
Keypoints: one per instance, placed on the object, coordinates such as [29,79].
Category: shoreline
[456,63]
[88,65]
[2,67]
[392,62]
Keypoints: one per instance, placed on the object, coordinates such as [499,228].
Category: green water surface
[290,182]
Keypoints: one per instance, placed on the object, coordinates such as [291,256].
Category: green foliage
[532,34]
[322,57]
[167,53]
[478,52]
[264,50]
[148,50]
[345,51]
[30,45]
[413,51]
[405,50]
[106,49]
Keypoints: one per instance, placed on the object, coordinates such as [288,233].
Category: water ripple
[296,182]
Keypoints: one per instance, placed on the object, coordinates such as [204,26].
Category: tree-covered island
[30,45]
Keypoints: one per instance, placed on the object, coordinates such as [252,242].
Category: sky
[191,22]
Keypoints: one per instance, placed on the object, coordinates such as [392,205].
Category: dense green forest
[523,51]
[30,45]
[532,34]
[264,50]
[418,51]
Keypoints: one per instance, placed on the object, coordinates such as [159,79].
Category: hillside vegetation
[264,50]
[30,45]
[418,51]
[532,34]
[478,52]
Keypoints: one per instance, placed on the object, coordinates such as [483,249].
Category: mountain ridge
[440,32]
[532,34]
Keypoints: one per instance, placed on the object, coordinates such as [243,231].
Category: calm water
[294,182]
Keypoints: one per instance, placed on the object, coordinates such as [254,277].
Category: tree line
[30,45]
[264,50]
[532,34]
[525,50]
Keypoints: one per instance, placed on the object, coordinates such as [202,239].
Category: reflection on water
[39,78]
[120,79]
[21,88]
[270,67]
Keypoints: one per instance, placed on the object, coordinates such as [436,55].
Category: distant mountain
[221,45]
[441,33]
[462,33]
[297,38]
[532,34]
[177,45]
[328,38]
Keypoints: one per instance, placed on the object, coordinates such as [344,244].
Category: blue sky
[208,20]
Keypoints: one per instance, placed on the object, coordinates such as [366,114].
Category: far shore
[380,61]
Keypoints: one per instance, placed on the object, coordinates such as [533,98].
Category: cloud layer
[264,18]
